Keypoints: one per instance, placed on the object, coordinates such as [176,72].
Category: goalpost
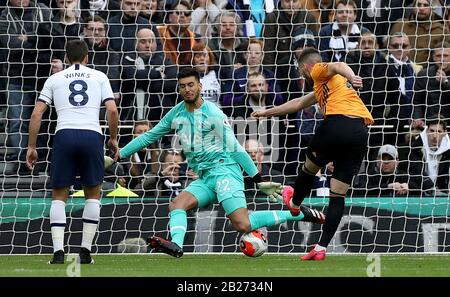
[390,224]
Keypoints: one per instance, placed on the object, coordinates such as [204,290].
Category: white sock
[58,223]
[319,248]
[91,215]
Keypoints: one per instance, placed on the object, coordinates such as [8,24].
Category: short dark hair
[94,18]
[76,50]
[187,72]
[437,120]
[306,54]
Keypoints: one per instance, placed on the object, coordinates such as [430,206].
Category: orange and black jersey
[336,95]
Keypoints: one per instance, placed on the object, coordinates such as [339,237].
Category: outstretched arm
[149,137]
[288,107]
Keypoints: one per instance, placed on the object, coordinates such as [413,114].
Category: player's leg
[91,218]
[62,175]
[197,194]
[335,211]
[351,147]
[303,183]
[58,223]
[90,164]
[243,221]
[230,191]
[316,157]
[178,217]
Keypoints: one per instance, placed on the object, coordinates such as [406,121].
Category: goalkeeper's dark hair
[188,72]
[76,50]
[307,53]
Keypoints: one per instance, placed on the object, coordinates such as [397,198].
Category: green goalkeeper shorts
[223,184]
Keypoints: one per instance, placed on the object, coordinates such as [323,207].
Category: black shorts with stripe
[343,141]
[77,153]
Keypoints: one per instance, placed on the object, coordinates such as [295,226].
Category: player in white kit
[77,94]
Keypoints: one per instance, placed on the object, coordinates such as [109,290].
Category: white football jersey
[77,93]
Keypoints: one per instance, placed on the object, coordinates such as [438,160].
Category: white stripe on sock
[178,227]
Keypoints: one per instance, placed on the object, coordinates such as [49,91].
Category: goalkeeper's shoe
[312,215]
[314,255]
[58,258]
[85,256]
[165,246]
[288,193]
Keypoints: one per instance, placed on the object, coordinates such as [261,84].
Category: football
[254,243]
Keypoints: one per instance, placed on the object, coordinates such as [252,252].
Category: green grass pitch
[232,265]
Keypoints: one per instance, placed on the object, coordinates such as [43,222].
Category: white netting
[247,60]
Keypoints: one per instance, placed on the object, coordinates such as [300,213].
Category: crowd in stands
[246,54]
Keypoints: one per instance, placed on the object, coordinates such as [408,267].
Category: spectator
[203,16]
[252,14]
[379,15]
[301,125]
[385,178]
[171,178]
[342,36]
[176,37]
[100,58]
[214,79]
[370,64]
[66,25]
[151,11]
[258,96]
[278,28]
[103,8]
[401,73]
[423,29]
[267,171]
[253,57]
[148,81]
[287,74]
[432,88]
[123,27]
[430,158]
[321,9]
[22,24]
[227,41]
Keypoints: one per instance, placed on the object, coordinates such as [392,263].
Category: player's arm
[112,116]
[291,106]
[33,130]
[149,137]
[344,70]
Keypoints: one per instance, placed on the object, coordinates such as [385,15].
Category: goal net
[246,53]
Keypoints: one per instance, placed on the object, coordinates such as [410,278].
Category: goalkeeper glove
[272,190]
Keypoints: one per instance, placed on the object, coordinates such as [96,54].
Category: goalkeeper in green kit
[214,153]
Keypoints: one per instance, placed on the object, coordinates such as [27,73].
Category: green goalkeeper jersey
[205,135]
